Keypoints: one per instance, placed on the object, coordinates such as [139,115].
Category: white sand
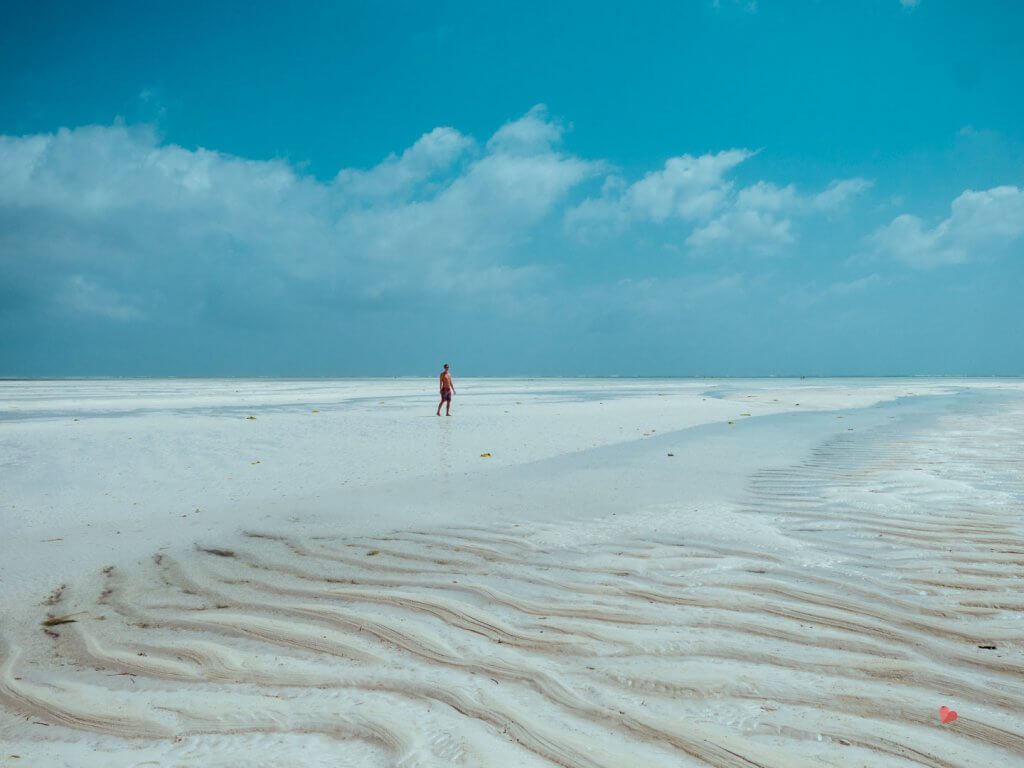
[801,589]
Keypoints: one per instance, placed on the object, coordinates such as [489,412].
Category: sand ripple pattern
[504,646]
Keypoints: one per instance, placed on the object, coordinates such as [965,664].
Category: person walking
[447,390]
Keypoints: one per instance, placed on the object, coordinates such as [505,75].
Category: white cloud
[109,223]
[760,218]
[479,216]
[431,155]
[758,231]
[909,3]
[980,224]
[687,187]
[765,196]
[531,134]
[109,219]
[95,172]
[695,191]
[838,192]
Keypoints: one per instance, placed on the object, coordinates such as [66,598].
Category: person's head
[446,366]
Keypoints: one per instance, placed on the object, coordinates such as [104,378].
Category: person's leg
[448,406]
[439,406]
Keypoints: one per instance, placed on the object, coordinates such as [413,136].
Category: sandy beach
[566,572]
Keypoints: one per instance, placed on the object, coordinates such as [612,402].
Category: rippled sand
[819,615]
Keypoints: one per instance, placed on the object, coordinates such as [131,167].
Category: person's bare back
[447,390]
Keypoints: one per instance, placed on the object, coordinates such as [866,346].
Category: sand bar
[262,570]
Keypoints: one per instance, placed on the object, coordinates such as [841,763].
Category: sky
[691,188]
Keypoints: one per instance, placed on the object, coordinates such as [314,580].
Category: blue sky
[699,188]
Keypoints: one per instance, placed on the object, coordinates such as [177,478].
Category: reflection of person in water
[447,390]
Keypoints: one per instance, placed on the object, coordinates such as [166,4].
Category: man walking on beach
[447,390]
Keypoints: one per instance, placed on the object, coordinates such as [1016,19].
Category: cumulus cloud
[760,218]
[530,134]
[765,196]
[981,224]
[695,191]
[431,155]
[104,220]
[752,229]
[687,187]
[113,228]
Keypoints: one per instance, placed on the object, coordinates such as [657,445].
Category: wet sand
[804,585]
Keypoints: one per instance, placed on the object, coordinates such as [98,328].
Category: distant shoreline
[527,377]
